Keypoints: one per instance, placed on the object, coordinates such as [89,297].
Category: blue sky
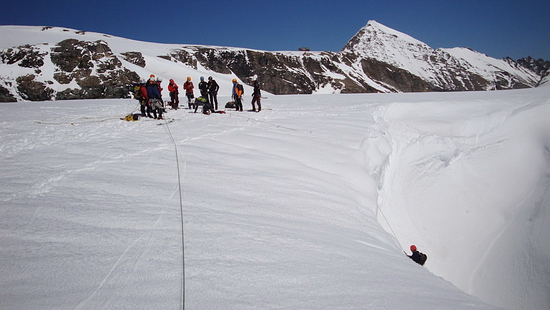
[498,28]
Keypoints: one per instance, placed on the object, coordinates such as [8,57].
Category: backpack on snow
[132,117]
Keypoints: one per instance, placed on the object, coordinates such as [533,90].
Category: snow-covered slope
[488,67]
[306,205]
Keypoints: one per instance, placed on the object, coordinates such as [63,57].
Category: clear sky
[497,28]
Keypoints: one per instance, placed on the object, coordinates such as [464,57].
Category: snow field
[282,209]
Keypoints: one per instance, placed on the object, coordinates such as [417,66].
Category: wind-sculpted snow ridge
[286,208]
[471,179]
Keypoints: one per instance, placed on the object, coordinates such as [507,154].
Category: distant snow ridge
[48,63]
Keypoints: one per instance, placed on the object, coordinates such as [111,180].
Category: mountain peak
[380,42]
[379,33]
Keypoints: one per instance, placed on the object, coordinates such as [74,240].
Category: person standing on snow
[150,108]
[256,95]
[203,87]
[238,92]
[154,95]
[213,88]
[188,86]
[174,94]
[141,94]
[417,256]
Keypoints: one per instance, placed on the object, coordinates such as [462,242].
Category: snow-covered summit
[375,26]
[379,41]
[444,68]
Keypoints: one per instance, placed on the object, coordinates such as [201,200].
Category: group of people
[149,93]
[238,92]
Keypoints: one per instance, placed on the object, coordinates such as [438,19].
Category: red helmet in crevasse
[413,247]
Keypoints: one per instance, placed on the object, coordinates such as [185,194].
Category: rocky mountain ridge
[80,65]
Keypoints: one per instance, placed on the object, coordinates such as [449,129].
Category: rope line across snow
[181,211]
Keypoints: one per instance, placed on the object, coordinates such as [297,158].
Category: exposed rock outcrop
[33,90]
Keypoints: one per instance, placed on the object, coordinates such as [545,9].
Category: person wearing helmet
[150,81]
[203,87]
[188,86]
[174,94]
[213,88]
[155,97]
[417,256]
[238,92]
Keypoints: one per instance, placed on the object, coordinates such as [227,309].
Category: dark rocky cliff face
[539,66]
[25,56]
[302,73]
[281,73]
[92,65]
[6,96]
